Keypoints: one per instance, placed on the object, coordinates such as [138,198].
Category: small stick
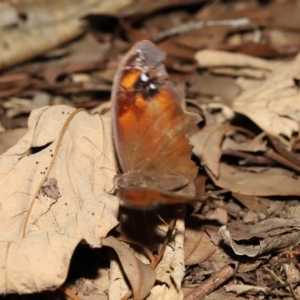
[288,285]
[198,25]
[214,281]
[128,295]
[274,275]
[249,158]
[69,293]
[282,160]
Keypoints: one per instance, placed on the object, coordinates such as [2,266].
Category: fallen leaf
[150,228]
[9,138]
[269,182]
[243,288]
[8,15]
[225,88]
[272,105]
[213,58]
[198,246]
[255,204]
[290,238]
[40,229]
[17,106]
[45,26]
[261,229]
[207,145]
[140,276]
[256,144]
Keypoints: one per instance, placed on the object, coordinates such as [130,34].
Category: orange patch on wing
[127,117]
[141,198]
[128,81]
[140,102]
[163,99]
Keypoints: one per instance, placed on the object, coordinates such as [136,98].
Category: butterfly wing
[150,128]
[148,199]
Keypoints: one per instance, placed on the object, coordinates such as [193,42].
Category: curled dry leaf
[275,234]
[54,194]
[262,229]
[140,276]
[170,270]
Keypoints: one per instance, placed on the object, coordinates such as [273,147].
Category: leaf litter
[56,177]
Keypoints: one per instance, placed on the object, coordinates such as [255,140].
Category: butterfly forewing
[150,127]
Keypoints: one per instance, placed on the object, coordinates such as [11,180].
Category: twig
[128,295]
[69,293]
[292,291]
[288,285]
[282,160]
[249,158]
[198,25]
[214,281]
[274,275]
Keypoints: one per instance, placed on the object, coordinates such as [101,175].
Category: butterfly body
[150,127]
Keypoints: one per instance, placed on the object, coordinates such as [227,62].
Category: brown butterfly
[151,132]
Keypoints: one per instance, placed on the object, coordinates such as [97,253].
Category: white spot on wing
[144,77]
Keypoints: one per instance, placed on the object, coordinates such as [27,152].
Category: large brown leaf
[51,200]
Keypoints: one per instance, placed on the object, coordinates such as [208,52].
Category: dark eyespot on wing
[148,89]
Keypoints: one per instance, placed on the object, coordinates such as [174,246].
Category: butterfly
[151,132]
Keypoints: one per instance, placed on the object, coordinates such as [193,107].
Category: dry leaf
[197,244]
[170,270]
[256,144]
[273,105]
[55,183]
[223,87]
[261,229]
[8,15]
[46,25]
[269,182]
[243,288]
[255,204]
[17,106]
[273,241]
[10,137]
[213,58]
[207,145]
[140,276]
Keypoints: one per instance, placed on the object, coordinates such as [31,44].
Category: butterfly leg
[157,258]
